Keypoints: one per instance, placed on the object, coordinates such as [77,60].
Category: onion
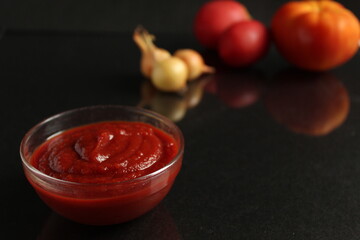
[195,63]
[169,75]
[149,51]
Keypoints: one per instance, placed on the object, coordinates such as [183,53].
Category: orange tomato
[316,35]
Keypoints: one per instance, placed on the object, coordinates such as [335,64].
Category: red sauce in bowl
[105,152]
[103,170]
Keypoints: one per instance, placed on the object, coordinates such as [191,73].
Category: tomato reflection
[237,89]
[308,103]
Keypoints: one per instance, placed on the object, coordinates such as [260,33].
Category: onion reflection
[308,103]
[237,89]
[172,105]
[157,224]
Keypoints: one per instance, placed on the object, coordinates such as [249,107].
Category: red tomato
[214,18]
[244,43]
[315,35]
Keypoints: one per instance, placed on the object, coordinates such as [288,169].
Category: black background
[121,15]
[244,176]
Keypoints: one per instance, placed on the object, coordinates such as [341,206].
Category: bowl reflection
[157,224]
[308,103]
[172,105]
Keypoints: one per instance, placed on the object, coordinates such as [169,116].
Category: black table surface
[271,152]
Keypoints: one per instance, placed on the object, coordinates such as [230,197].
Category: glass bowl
[101,203]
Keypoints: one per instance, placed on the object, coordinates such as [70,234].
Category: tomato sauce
[105,152]
[99,156]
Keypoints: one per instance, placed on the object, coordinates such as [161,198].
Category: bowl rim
[138,110]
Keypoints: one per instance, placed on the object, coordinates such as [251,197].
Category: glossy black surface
[250,171]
